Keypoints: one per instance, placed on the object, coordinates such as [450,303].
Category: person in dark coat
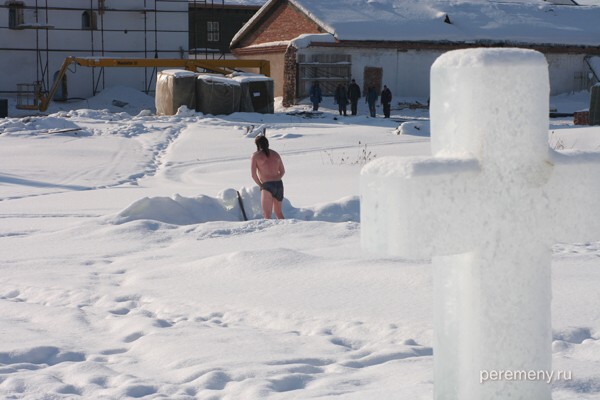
[341,98]
[316,96]
[386,99]
[371,99]
[353,95]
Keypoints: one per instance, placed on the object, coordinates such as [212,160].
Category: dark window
[88,20]
[15,14]
[213,32]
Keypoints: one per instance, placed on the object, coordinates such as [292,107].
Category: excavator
[41,99]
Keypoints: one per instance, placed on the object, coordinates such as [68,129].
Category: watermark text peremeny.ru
[524,375]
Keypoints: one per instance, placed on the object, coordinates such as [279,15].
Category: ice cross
[487,207]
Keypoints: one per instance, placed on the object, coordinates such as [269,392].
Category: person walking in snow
[315,95]
[341,98]
[353,95]
[386,99]
[371,99]
[267,169]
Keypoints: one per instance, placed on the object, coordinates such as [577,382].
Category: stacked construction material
[217,95]
[175,88]
[213,94]
[257,93]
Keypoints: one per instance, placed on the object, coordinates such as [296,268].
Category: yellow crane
[42,100]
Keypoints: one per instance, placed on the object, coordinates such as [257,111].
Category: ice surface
[487,207]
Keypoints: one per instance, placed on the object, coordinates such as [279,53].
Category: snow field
[100,302]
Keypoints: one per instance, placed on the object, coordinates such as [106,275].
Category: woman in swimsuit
[267,170]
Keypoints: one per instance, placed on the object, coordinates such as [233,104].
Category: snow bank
[119,99]
[179,210]
[414,128]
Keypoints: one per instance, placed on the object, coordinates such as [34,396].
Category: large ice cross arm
[491,107]
[413,207]
[573,193]
[502,207]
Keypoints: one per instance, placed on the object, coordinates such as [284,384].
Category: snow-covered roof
[514,21]
[177,73]
[232,2]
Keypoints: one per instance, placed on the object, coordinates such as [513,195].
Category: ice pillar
[482,207]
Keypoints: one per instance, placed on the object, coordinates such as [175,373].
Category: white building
[37,35]
[395,42]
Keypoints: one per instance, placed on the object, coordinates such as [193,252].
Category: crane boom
[220,66]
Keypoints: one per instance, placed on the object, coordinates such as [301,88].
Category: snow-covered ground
[127,271]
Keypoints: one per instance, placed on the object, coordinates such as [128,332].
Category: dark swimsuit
[275,188]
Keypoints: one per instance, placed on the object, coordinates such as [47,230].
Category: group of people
[343,96]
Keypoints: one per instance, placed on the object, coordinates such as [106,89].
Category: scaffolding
[96,38]
[96,11]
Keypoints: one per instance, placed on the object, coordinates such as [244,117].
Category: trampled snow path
[136,152]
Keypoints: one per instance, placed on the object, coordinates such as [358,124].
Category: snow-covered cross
[487,207]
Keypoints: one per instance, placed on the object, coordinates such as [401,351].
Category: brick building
[396,42]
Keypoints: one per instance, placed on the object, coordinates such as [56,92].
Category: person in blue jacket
[315,95]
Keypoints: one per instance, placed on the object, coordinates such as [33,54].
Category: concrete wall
[568,73]
[406,73]
[276,64]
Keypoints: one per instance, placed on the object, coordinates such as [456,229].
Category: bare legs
[277,209]
[269,204]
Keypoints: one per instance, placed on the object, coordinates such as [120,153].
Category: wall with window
[212,28]
[89,20]
[15,14]
[568,73]
[407,72]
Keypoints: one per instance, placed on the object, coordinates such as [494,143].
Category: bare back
[265,168]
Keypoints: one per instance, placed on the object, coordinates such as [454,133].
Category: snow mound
[414,128]
[179,210]
[35,125]
[122,98]
[114,99]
